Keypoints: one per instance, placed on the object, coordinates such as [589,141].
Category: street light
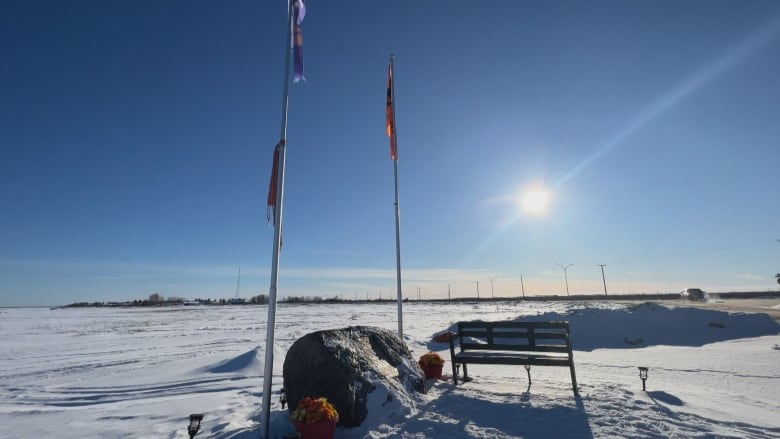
[565,275]
[492,296]
[477,282]
[521,285]
[603,278]
[449,296]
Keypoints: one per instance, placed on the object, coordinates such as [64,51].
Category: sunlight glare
[534,201]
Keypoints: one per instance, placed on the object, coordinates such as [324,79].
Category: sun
[535,201]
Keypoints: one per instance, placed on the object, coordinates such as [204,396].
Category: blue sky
[137,140]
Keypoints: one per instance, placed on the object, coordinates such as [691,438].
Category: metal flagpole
[397,219]
[265,416]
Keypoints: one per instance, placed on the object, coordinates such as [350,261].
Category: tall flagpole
[397,216]
[268,372]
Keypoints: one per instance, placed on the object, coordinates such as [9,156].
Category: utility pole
[522,286]
[477,282]
[565,275]
[449,296]
[418,294]
[603,278]
[492,296]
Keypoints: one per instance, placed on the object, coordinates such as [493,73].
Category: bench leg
[465,374]
[574,380]
[528,369]
[455,368]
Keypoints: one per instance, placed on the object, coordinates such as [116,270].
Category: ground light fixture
[643,377]
[194,426]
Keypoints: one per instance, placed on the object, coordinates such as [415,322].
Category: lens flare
[535,201]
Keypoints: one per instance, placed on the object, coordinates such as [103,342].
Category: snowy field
[139,373]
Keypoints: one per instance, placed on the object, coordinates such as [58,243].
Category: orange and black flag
[390,122]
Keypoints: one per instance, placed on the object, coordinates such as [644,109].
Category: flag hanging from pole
[271,212]
[390,112]
[299,11]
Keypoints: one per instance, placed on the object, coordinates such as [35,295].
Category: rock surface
[346,366]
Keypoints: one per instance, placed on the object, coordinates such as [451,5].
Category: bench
[515,343]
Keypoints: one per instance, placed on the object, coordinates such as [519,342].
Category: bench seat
[503,357]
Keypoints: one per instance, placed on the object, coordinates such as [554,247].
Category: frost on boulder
[346,365]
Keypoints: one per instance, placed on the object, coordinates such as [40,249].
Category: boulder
[346,366]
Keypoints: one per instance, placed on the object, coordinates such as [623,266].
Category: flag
[271,211]
[390,112]
[299,11]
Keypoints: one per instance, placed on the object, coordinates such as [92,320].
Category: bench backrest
[515,336]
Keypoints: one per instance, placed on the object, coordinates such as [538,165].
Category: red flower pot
[316,430]
[444,337]
[432,371]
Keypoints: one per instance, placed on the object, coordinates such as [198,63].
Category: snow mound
[650,324]
[245,362]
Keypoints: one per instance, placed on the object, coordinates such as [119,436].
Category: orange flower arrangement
[312,410]
[431,359]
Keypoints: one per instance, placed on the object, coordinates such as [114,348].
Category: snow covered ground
[139,373]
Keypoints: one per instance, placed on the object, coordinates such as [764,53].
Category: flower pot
[316,430]
[432,371]
[443,337]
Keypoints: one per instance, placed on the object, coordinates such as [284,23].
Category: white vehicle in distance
[695,294]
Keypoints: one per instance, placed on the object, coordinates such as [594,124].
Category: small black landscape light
[643,376]
[194,426]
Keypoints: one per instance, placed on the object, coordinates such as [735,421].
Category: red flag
[390,122]
[271,213]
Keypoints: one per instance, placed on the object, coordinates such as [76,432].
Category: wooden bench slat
[501,332]
[537,335]
[478,324]
[470,355]
[511,361]
[504,347]
[496,358]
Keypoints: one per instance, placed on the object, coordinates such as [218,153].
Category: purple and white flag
[299,11]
